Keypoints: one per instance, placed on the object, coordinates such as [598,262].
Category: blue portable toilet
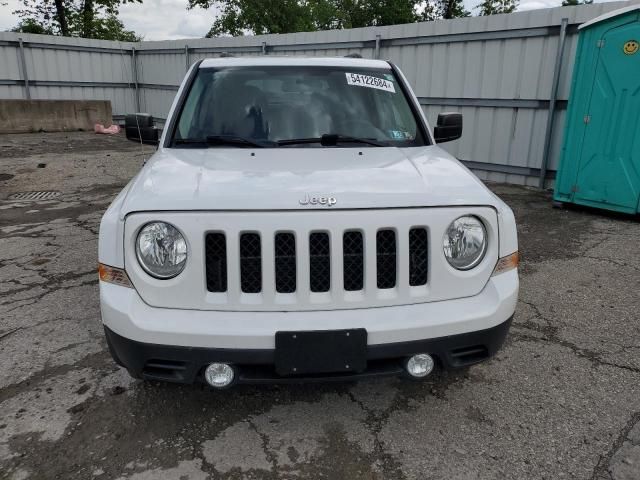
[600,160]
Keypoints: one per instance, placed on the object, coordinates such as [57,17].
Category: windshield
[307,106]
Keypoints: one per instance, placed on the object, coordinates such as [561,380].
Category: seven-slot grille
[321,257]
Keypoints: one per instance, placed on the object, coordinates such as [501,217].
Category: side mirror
[140,128]
[449,127]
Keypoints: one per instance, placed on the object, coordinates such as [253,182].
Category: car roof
[272,60]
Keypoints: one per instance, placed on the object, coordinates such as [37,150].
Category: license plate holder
[321,351]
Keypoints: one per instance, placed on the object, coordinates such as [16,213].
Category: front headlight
[465,242]
[161,250]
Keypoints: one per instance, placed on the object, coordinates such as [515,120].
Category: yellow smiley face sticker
[630,47]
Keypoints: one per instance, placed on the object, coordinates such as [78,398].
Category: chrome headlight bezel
[474,227]
[183,251]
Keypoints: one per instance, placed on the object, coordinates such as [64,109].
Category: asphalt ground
[561,400]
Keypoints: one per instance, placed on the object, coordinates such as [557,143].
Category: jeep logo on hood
[323,200]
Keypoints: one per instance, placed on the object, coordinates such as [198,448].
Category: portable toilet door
[600,160]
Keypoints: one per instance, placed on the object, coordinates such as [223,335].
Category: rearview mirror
[140,128]
[449,127]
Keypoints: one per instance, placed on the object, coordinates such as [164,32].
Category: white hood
[279,179]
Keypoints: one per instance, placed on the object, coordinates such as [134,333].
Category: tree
[495,7]
[75,18]
[572,3]
[376,13]
[29,25]
[453,9]
[238,17]
[111,28]
[256,16]
[442,9]
[60,16]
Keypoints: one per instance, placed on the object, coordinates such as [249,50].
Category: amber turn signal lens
[507,263]
[114,275]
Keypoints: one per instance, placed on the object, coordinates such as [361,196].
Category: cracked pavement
[561,400]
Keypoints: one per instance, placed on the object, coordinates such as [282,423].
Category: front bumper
[175,345]
[126,314]
[187,364]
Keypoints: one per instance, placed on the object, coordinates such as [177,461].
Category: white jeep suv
[298,222]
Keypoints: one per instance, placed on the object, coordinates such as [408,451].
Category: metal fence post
[23,66]
[376,54]
[186,58]
[134,74]
[552,102]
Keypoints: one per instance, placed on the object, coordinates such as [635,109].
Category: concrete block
[22,116]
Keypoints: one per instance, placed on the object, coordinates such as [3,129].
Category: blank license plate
[322,351]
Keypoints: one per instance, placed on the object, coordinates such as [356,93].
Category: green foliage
[375,13]
[442,9]
[75,18]
[30,25]
[238,17]
[257,16]
[111,28]
[495,7]
[572,3]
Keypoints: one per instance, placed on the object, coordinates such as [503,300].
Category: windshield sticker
[400,135]
[370,82]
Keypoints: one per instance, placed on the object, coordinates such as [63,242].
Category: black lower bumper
[187,364]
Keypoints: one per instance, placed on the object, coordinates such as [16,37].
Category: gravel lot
[561,400]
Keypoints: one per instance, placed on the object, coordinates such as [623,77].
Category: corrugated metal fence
[505,73]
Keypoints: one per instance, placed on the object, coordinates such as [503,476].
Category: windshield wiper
[239,141]
[326,140]
[332,139]
[191,141]
[219,140]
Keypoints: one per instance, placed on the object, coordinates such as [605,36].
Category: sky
[170,19]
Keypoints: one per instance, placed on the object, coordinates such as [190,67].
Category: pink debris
[113,129]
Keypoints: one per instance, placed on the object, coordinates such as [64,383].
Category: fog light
[420,365]
[219,375]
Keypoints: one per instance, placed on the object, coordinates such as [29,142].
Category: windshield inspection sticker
[370,82]
[400,135]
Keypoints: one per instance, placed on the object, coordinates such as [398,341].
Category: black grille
[216,262]
[418,257]
[386,258]
[285,251]
[353,248]
[319,262]
[250,263]
[320,257]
